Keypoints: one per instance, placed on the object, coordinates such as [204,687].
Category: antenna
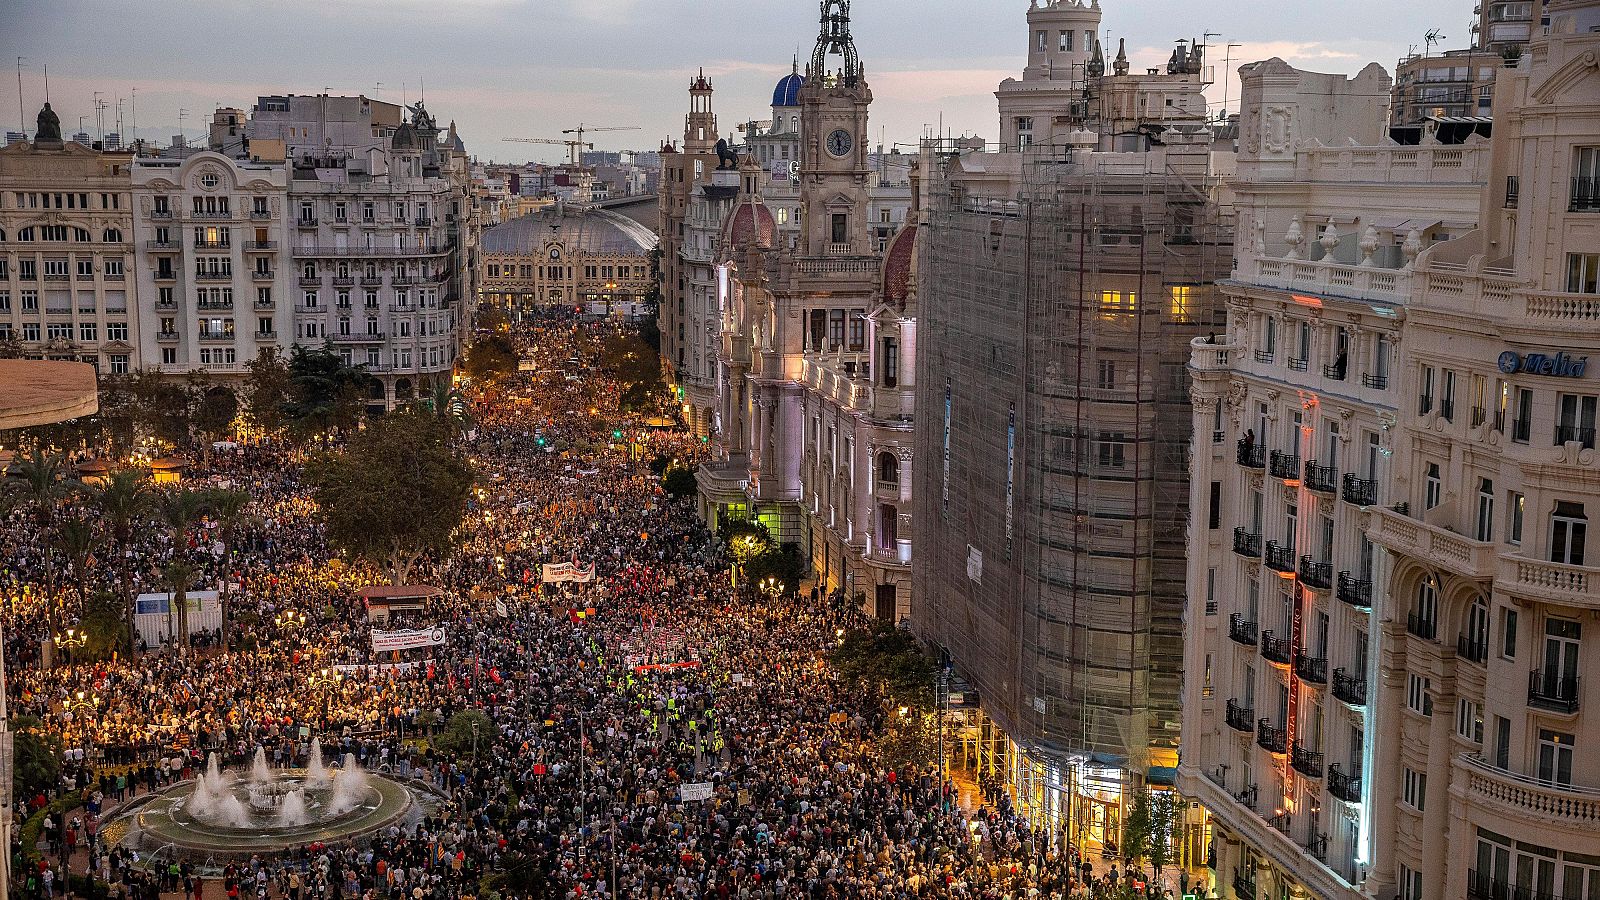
[22,117]
[182,137]
[46,81]
[133,123]
[1432,37]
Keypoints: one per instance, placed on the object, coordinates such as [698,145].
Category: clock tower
[833,153]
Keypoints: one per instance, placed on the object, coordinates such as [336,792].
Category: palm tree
[40,479]
[179,509]
[179,575]
[450,407]
[124,499]
[76,538]
[228,508]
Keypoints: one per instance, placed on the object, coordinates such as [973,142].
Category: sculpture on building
[726,157]
[49,127]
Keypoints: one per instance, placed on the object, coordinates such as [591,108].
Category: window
[1485,531]
[116,331]
[1522,425]
[891,362]
[1414,789]
[1514,510]
[1434,491]
[1024,132]
[87,331]
[1042,41]
[1425,402]
[1269,338]
[1111,449]
[1585,179]
[858,329]
[1410,883]
[1116,304]
[1469,720]
[1214,513]
[1583,273]
[1575,414]
[1418,696]
[1182,303]
[841,228]
[1555,757]
[1107,374]
[1508,633]
[1064,42]
[888,469]
[1568,532]
[169,356]
[119,364]
[1502,742]
[1447,402]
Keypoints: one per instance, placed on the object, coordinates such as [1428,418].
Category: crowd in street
[607,697]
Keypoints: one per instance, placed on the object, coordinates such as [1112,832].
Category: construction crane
[573,147]
[579,131]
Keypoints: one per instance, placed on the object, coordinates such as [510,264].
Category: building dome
[594,231]
[898,262]
[787,93]
[750,222]
[405,138]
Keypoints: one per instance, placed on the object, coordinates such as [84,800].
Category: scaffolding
[1060,289]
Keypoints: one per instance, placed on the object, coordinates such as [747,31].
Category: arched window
[2,235]
[888,468]
[25,234]
[112,236]
[81,235]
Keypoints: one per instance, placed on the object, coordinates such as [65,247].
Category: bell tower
[833,151]
[700,128]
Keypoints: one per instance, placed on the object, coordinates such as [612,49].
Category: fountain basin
[165,819]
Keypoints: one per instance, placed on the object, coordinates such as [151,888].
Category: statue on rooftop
[49,127]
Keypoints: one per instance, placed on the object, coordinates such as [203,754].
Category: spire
[835,38]
[1097,61]
[1120,66]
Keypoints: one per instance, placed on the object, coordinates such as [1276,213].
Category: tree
[679,482]
[908,742]
[161,407]
[215,412]
[887,665]
[180,509]
[270,383]
[396,493]
[124,499]
[41,481]
[491,358]
[462,729]
[228,508]
[36,760]
[1147,831]
[105,628]
[450,407]
[786,564]
[75,538]
[324,393]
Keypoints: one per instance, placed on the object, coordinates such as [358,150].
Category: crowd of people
[607,696]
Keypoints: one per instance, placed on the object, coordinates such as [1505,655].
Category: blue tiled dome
[787,93]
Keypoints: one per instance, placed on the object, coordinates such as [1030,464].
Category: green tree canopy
[324,392]
[457,736]
[492,358]
[397,492]
[886,663]
[268,395]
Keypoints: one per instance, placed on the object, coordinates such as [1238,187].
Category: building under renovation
[1061,285]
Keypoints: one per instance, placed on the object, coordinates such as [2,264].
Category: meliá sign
[1558,365]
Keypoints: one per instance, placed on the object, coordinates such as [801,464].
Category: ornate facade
[811,415]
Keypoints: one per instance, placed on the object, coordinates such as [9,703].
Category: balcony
[1284,465]
[311,281]
[161,215]
[1472,649]
[1244,884]
[213,276]
[1410,537]
[1247,543]
[1345,787]
[1280,558]
[1553,692]
[165,275]
[1360,491]
[266,335]
[214,304]
[211,214]
[1317,845]
[1577,586]
[1251,455]
[1575,434]
[161,245]
[1242,630]
[215,337]
[1240,718]
[1296,363]
[1271,738]
[1306,762]
[1349,688]
[1482,887]
[357,338]
[1264,356]
[265,304]
[1322,479]
[1548,805]
[1311,669]
[1376,382]
[306,222]
[261,274]
[1249,796]
[1585,196]
[1315,574]
[371,281]
[260,214]
[1425,627]
[422,221]
[1274,649]
[1208,356]
[1354,591]
[260,246]
[343,281]
[1336,371]
[166,335]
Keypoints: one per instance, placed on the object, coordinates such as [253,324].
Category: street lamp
[290,619]
[71,639]
[85,704]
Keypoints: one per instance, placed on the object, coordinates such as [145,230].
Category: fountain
[223,813]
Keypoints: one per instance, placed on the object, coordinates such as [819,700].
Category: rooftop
[597,231]
[45,392]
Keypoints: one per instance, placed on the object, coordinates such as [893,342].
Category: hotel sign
[1557,365]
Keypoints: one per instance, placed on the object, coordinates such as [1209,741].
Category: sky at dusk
[530,68]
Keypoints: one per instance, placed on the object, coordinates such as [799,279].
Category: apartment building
[1388,585]
[212,274]
[383,235]
[66,253]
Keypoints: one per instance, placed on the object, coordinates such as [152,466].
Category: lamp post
[83,703]
[289,619]
[70,640]
[325,679]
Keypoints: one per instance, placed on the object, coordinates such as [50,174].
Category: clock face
[839,142]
